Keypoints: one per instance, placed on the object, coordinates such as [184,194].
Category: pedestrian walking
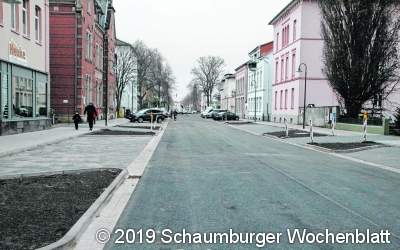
[77,119]
[91,112]
[175,114]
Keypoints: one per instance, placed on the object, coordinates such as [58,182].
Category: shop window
[38,24]
[4,94]
[25,17]
[22,95]
[41,97]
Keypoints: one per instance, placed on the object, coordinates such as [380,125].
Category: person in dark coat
[175,114]
[77,119]
[91,112]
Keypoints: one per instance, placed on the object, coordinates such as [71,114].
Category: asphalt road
[207,177]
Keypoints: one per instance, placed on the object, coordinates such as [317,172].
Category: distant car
[145,115]
[229,116]
[215,112]
[205,112]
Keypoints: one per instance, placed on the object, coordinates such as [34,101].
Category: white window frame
[25,18]
[38,24]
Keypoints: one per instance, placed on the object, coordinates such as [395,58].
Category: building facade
[228,93]
[24,66]
[129,98]
[82,56]
[241,77]
[259,85]
[297,40]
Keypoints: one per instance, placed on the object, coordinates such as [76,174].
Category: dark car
[229,116]
[215,112]
[145,115]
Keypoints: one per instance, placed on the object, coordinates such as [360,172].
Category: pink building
[297,40]
[241,77]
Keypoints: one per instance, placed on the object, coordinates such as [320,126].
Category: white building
[129,98]
[259,88]
[24,66]
[228,93]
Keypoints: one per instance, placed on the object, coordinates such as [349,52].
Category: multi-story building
[82,56]
[259,83]
[241,76]
[227,89]
[297,34]
[129,98]
[24,66]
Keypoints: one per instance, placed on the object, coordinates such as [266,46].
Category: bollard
[286,128]
[333,126]
[151,122]
[365,130]
[311,131]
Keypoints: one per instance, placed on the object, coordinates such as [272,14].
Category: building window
[276,100]
[41,97]
[293,64]
[282,70]
[25,17]
[286,96]
[294,30]
[38,24]
[89,7]
[287,68]
[14,17]
[1,12]
[22,98]
[276,71]
[89,45]
[88,88]
[277,41]
[4,93]
[292,99]
[281,99]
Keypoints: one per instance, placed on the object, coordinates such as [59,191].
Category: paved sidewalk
[12,144]
[386,156]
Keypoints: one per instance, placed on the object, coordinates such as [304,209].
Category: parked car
[229,116]
[205,112]
[145,115]
[215,112]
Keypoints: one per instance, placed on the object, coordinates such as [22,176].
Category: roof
[122,43]
[266,48]
[287,7]
[242,66]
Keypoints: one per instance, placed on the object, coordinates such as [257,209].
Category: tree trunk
[353,109]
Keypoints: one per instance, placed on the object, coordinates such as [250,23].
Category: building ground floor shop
[24,99]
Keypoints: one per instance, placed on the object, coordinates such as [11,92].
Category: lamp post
[305,91]
[253,67]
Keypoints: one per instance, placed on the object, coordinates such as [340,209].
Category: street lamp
[305,91]
[253,67]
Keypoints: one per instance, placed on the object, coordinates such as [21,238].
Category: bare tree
[360,55]
[193,97]
[145,61]
[126,69]
[207,73]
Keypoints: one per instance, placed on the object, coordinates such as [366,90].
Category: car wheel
[159,120]
[140,120]
[237,118]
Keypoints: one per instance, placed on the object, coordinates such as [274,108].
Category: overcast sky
[184,30]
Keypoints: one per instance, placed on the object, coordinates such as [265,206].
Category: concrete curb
[51,173]
[67,241]
[121,194]
[344,151]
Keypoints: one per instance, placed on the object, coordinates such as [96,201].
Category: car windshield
[141,112]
